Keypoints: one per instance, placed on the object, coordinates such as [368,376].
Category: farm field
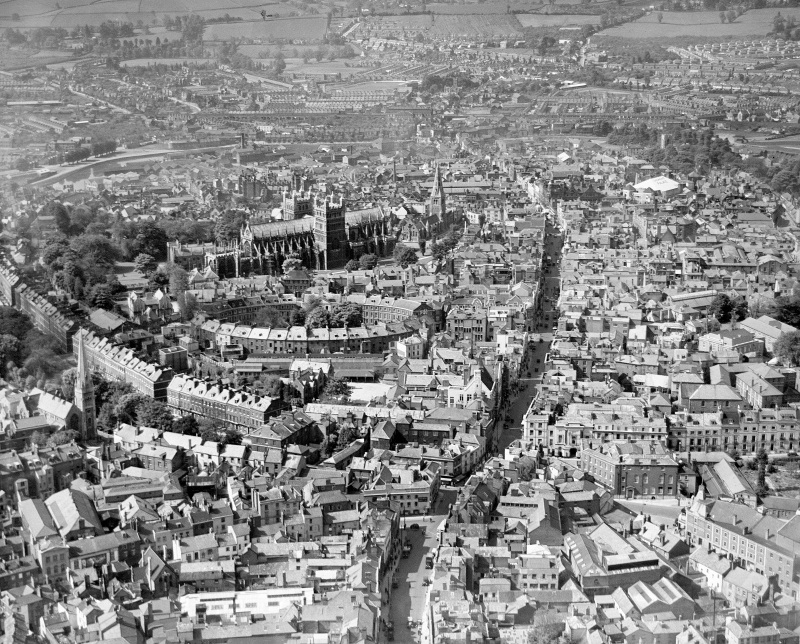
[297,66]
[16,59]
[556,20]
[72,13]
[147,62]
[307,29]
[488,25]
[699,24]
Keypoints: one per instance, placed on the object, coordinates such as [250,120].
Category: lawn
[699,24]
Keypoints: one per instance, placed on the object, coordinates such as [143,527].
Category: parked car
[415,526]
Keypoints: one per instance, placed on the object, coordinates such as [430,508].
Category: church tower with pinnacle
[437,206]
[84,393]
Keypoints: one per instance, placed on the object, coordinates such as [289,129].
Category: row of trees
[81,153]
[117,402]
[26,356]
[364,263]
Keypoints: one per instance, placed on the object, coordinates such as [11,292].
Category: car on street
[415,526]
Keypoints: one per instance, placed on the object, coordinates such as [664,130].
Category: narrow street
[537,352]
[408,599]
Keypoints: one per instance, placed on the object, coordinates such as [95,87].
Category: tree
[722,17]
[271,318]
[351,265]
[154,413]
[95,250]
[368,262]
[788,310]
[346,436]
[178,280]
[292,264]
[721,308]
[731,15]
[10,348]
[232,437]
[337,389]
[348,314]
[41,362]
[229,225]
[185,425]
[146,264]
[740,309]
[59,211]
[68,379]
[127,406]
[279,64]
[187,304]
[547,634]
[787,348]
[318,318]
[660,17]
[328,446]
[193,26]
[762,489]
[298,317]
[151,239]
[62,437]
[101,297]
[403,255]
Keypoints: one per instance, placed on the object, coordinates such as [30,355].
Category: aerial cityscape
[368,321]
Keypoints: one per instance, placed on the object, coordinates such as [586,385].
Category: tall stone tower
[330,233]
[437,205]
[84,393]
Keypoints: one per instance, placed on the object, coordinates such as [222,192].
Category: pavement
[661,510]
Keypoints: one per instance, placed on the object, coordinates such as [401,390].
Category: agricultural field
[12,58]
[72,13]
[444,25]
[699,24]
[307,29]
[297,66]
[476,25]
[148,62]
[556,20]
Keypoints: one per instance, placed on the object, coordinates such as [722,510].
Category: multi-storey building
[300,340]
[116,362]
[764,544]
[234,407]
[633,470]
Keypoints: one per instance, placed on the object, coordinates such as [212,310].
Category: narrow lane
[407,601]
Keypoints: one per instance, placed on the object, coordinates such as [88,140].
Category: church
[317,228]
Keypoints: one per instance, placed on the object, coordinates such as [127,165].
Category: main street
[537,351]
[407,601]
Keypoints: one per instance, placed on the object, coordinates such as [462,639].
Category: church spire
[84,391]
[437,206]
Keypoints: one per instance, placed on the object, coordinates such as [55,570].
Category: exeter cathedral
[318,229]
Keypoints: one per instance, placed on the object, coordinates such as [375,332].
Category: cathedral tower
[84,393]
[330,232]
